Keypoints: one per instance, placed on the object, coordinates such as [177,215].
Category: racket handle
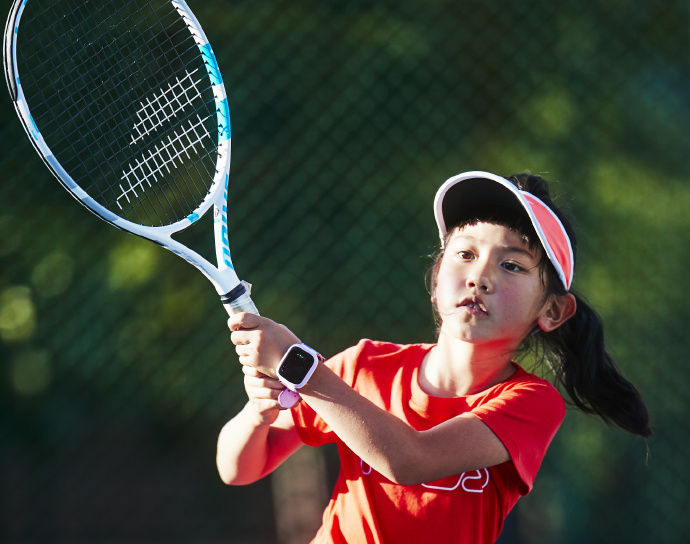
[238,300]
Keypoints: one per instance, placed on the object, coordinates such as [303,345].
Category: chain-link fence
[116,366]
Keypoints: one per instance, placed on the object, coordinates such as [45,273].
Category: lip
[474,305]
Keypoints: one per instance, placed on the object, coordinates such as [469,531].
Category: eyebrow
[506,248]
[519,250]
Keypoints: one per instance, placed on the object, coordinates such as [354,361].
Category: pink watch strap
[288,399]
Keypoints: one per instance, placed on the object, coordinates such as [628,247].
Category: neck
[454,368]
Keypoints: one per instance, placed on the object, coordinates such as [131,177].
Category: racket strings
[162,159]
[157,160]
[209,168]
[134,121]
[156,112]
[152,115]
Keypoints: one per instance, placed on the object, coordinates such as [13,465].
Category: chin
[478,338]
[464,335]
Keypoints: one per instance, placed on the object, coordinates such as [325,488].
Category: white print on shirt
[472,482]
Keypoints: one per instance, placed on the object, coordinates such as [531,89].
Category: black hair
[575,351]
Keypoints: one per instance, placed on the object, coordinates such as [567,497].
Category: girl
[438,442]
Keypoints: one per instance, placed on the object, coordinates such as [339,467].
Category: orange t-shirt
[524,412]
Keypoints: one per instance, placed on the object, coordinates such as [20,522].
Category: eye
[464,254]
[513,267]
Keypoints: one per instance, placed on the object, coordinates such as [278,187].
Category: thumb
[243,321]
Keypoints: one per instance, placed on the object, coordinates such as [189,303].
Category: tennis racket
[124,102]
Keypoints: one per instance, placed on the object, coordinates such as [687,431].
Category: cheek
[446,281]
[526,300]
[442,298]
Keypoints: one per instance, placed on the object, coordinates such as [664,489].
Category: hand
[263,394]
[259,342]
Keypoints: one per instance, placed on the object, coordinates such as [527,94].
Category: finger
[268,410]
[261,393]
[257,379]
[242,337]
[244,321]
[237,321]
[252,372]
[245,350]
[263,388]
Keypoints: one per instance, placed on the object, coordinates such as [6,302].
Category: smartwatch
[297,366]
[294,371]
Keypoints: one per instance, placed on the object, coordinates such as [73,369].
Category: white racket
[125,103]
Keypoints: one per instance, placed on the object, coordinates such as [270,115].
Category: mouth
[474,305]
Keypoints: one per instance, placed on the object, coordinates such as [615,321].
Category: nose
[479,278]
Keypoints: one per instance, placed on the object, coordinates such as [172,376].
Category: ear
[556,312]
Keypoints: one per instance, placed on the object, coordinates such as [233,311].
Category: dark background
[116,368]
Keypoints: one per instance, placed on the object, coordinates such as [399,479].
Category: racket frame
[234,293]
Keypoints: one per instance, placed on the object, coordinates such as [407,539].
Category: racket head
[125,103]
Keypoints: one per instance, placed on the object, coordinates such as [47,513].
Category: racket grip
[238,300]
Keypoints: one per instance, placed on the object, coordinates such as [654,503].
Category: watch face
[296,365]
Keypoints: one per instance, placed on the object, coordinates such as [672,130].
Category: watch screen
[296,365]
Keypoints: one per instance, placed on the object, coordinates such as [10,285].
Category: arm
[393,448]
[389,445]
[248,450]
[258,439]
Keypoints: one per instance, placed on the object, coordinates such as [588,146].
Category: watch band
[289,399]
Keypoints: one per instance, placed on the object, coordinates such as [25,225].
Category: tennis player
[437,442]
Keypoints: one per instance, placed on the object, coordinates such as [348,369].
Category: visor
[463,194]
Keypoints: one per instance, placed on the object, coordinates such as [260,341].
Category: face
[488,286]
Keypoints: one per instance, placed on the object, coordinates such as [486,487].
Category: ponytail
[576,351]
[589,374]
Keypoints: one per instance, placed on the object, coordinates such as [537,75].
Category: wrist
[259,416]
[297,366]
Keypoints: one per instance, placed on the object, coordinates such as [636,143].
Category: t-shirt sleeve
[525,418]
[312,429]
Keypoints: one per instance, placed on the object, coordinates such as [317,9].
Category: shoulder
[525,412]
[524,396]
[531,387]
[525,400]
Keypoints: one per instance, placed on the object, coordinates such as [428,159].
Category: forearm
[393,448]
[243,448]
[381,439]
